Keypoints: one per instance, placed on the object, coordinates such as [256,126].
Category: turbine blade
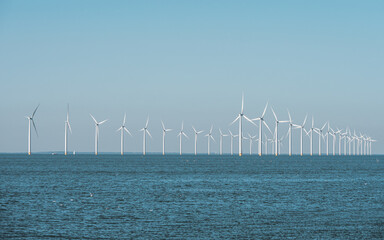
[128,131]
[162,124]
[235,120]
[289,115]
[305,120]
[148,133]
[93,119]
[33,114]
[267,127]
[274,114]
[249,120]
[103,121]
[242,103]
[34,126]
[69,126]
[265,109]
[146,124]
[124,119]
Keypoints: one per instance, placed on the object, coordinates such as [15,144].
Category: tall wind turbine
[145,132]
[301,134]
[240,118]
[122,129]
[180,135]
[97,124]
[30,120]
[311,137]
[276,132]
[290,134]
[262,121]
[320,132]
[209,135]
[66,127]
[232,136]
[165,130]
[251,138]
[196,133]
[221,141]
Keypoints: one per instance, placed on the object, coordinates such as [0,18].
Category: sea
[109,196]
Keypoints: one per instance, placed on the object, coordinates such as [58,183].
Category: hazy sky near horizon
[186,60]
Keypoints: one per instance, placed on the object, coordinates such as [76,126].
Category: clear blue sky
[186,60]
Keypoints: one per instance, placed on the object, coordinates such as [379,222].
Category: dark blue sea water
[188,197]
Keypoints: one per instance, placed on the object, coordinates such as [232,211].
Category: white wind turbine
[251,138]
[209,135]
[67,126]
[180,135]
[30,120]
[232,136]
[165,130]
[276,132]
[122,129]
[196,133]
[290,134]
[221,141]
[240,118]
[262,121]
[145,132]
[301,134]
[97,124]
[320,132]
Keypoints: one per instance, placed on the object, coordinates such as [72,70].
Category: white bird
[165,130]
[262,121]
[240,118]
[122,129]
[209,135]
[66,127]
[145,132]
[97,124]
[276,132]
[180,135]
[232,136]
[221,141]
[30,120]
[196,133]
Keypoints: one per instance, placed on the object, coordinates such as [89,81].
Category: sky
[186,61]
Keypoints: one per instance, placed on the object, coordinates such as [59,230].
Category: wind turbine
[262,121]
[320,132]
[97,124]
[196,133]
[301,134]
[122,129]
[250,142]
[290,134]
[164,132]
[30,120]
[221,141]
[240,118]
[181,133]
[145,131]
[66,127]
[276,132]
[232,136]
[209,135]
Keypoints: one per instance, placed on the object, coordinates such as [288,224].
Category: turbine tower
[180,135]
[164,132]
[196,133]
[232,136]
[145,132]
[30,120]
[122,129]
[221,141]
[276,132]
[97,124]
[262,121]
[240,118]
[66,127]
[209,135]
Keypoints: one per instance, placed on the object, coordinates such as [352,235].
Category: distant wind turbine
[180,135]
[320,132]
[232,136]
[165,130]
[196,133]
[97,124]
[262,121]
[290,134]
[251,142]
[221,141]
[301,134]
[209,135]
[122,129]
[240,118]
[30,120]
[67,126]
[276,132]
[145,132]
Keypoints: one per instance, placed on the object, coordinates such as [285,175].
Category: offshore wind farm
[191,119]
